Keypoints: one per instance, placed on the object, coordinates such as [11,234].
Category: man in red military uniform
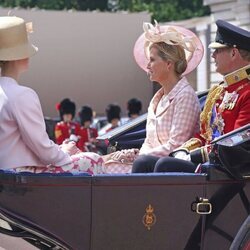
[66,128]
[87,134]
[227,105]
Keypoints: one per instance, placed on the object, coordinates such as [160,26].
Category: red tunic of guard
[87,137]
[63,130]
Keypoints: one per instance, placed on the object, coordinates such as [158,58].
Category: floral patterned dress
[85,162]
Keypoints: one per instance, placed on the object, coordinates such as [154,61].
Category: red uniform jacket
[232,109]
[63,130]
[227,108]
[86,136]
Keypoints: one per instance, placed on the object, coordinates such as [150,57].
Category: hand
[70,147]
[125,155]
[182,155]
[74,138]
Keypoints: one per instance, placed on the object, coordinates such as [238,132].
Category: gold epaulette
[58,133]
[237,75]
[205,116]
[192,144]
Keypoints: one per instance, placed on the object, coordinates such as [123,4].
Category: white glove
[73,138]
[125,155]
[182,155]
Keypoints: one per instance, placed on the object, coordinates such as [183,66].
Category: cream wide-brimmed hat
[14,43]
[173,35]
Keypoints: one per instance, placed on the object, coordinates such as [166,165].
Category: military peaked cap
[229,35]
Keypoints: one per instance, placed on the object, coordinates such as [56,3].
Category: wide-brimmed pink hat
[173,35]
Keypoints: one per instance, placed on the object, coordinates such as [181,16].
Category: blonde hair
[174,53]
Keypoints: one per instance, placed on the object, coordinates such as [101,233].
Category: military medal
[219,123]
[233,99]
[229,101]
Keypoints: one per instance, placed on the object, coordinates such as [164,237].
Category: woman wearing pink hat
[24,143]
[167,53]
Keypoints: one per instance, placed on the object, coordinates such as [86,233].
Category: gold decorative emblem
[58,133]
[236,78]
[149,218]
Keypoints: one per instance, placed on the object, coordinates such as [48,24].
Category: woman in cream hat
[24,143]
[167,54]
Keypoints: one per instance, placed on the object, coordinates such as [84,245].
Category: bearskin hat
[134,106]
[66,106]
[113,111]
[85,114]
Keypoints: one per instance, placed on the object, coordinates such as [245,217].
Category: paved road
[13,243]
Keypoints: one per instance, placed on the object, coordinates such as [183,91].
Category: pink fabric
[23,137]
[172,119]
[88,162]
[120,168]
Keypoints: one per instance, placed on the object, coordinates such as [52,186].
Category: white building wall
[86,56]
[199,78]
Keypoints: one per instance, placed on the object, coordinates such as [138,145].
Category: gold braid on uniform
[191,144]
[205,116]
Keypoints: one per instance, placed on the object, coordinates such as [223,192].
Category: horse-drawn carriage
[207,210]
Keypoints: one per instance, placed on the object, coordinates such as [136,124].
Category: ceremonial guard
[113,112]
[66,128]
[134,107]
[87,141]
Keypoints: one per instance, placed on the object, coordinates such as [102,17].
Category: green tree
[167,10]
[57,4]
[161,10]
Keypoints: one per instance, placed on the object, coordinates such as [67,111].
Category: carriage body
[141,211]
[209,210]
